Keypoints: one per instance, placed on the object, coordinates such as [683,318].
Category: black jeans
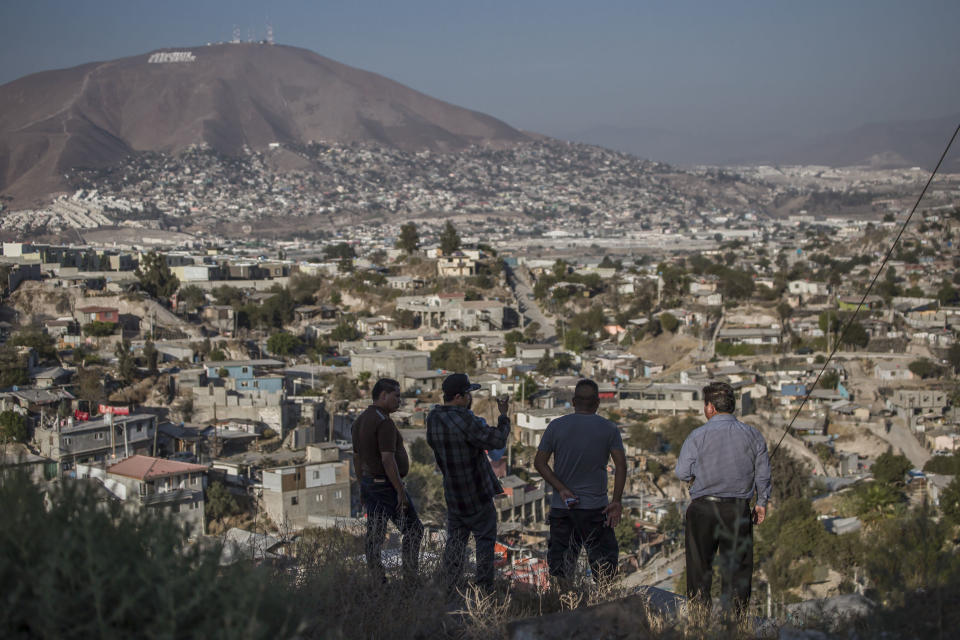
[380,501]
[483,526]
[725,528]
[573,529]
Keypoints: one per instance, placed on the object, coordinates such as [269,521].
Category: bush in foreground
[74,566]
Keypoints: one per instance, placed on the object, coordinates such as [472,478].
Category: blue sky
[561,66]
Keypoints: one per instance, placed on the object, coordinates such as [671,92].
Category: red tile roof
[97,309]
[146,467]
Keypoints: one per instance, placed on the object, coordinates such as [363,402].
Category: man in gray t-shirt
[580,514]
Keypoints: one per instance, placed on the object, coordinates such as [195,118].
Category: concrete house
[86,315]
[661,398]
[531,423]
[247,375]
[892,370]
[315,492]
[521,501]
[99,440]
[456,265]
[389,364]
[144,482]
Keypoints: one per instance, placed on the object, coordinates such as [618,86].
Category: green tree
[449,239]
[426,488]
[453,356]
[192,297]
[953,356]
[126,365]
[626,534]
[829,380]
[99,329]
[874,501]
[672,522]
[950,501]
[344,332]
[531,332]
[151,355]
[564,361]
[220,503]
[283,343]
[44,345]
[13,368]
[788,542]
[677,430]
[527,387]
[421,453]
[947,294]
[907,554]
[891,468]
[924,368]
[227,295]
[790,477]
[643,437]
[89,386]
[511,338]
[855,336]
[13,427]
[409,239]
[576,340]
[669,322]
[155,276]
[339,251]
[546,366]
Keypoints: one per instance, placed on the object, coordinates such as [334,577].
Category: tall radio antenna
[236,34]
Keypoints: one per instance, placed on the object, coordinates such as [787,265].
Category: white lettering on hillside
[172,56]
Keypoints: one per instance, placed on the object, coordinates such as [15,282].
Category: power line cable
[853,316]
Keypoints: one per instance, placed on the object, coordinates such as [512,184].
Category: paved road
[520,281]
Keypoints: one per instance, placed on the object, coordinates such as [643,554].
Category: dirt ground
[669,349]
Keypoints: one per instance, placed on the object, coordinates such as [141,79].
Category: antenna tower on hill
[236,34]
[269,33]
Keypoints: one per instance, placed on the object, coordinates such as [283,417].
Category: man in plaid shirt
[460,441]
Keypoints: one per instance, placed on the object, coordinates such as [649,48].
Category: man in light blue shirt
[726,463]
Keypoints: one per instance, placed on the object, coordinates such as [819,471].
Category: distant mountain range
[228,96]
[881,145]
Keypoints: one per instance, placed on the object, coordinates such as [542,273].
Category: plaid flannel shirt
[459,441]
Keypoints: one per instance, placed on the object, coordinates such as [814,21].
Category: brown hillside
[228,97]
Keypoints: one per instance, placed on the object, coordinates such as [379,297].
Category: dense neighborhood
[216,380]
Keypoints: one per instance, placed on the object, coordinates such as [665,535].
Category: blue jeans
[483,526]
[380,502]
[573,529]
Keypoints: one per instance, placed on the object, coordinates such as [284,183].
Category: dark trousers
[380,502]
[573,529]
[483,526]
[725,528]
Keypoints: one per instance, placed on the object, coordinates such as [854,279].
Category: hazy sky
[561,66]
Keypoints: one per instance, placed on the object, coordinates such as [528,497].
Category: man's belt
[721,499]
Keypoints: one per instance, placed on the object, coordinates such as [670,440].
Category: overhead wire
[863,299]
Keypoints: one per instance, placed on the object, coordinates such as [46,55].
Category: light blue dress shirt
[727,459]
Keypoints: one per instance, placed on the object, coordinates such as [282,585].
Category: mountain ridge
[229,97]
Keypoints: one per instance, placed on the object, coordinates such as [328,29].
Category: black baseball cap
[457,383]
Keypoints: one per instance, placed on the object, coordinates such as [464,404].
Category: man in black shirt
[381,463]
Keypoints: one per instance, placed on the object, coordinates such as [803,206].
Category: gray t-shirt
[581,445]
